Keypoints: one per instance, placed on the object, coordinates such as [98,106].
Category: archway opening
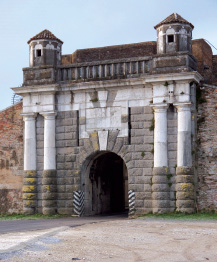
[106,189]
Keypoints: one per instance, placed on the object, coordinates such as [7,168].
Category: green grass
[35,216]
[181,216]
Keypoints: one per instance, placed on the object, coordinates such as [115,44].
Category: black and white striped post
[131,197]
[78,202]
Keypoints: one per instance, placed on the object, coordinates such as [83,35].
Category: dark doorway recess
[108,184]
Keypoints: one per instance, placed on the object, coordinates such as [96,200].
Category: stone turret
[44,49]
[174,34]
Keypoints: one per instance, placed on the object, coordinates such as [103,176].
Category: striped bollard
[131,197]
[78,202]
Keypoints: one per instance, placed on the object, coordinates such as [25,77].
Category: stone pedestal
[185,191]
[49,180]
[29,178]
[49,192]
[160,190]
[29,192]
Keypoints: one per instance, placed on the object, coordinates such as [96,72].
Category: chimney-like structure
[44,49]
[174,34]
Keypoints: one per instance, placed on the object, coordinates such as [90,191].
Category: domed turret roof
[45,34]
[174,18]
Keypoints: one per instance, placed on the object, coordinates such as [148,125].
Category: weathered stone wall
[207,150]
[142,154]
[68,179]
[11,159]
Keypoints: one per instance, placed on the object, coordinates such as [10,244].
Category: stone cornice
[107,84]
[51,89]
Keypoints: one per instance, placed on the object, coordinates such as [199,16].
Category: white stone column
[49,179]
[185,190]
[184,154]
[29,177]
[160,187]
[49,141]
[160,136]
[29,142]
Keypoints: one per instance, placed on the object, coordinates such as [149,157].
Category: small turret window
[170,38]
[38,52]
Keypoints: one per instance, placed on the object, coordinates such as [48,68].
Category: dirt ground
[122,240]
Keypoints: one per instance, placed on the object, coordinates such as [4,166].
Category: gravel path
[123,240]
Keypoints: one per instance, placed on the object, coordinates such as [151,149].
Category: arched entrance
[105,182]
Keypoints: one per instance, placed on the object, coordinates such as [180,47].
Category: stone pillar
[49,180]
[185,193]
[160,183]
[29,179]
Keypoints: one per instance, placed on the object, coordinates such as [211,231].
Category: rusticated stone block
[49,210]
[184,179]
[112,136]
[49,196]
[184,171]
[49,192]
[143,195]
[29,206]
[161,195]
[49,173]
[184,204]
[161,204]
[61,188]
[148,205]
[49,181]
[160,188]
[64,211]
[184,187]
[49,188]
[185,195]
[137,110]
[49,203]
[139,203]
[119,143]
[160,180]
[160,171]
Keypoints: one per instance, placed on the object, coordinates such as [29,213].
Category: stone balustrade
[109,69]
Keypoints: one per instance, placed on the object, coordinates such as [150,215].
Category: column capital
[29,116]
[49,115]
[183,106]
[160,108]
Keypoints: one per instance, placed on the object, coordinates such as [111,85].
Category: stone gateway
[120,128]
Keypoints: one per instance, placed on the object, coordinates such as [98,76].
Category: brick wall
[111,52]
[203,53]
[11,159]
[207,150]
[214,63]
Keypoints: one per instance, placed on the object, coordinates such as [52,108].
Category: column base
[160,191]
[185,191]
[49,192]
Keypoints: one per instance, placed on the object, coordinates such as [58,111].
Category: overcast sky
[89,23]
